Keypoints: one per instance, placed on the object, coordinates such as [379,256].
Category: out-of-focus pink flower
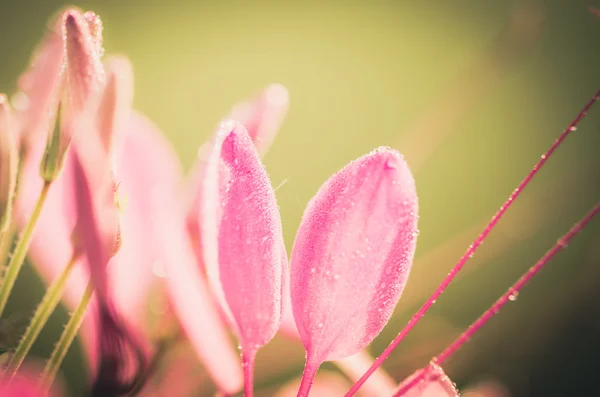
[26,384]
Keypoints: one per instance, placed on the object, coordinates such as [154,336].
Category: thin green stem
[66,339]
[18,256]
[6,240]
[7,237]
[40,318]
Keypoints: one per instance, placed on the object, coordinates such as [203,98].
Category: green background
[471,91]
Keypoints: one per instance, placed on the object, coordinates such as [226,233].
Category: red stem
[308,377]
[473,247]
[507,297]
[248,357]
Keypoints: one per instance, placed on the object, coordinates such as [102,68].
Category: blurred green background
[471,91]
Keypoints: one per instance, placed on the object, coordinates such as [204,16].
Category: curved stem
[473,247]
[510,295]
[248,358]
[40,318]
[308,377]
[18,256]
[66,339]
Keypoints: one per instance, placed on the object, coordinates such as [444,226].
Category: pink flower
[355,245]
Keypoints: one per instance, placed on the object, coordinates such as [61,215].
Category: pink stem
[473,247]
[248,357]
[516,287]
[507,297]
[308,377]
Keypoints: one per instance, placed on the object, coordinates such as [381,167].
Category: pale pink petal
[114,111]
[352,255]
[434,383]
[85,76]
[241,232]
[40,88]
[378,384]
[191,299]
[262,116]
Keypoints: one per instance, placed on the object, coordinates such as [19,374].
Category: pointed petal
[262,116]
[116,100]
[192,301]
[241,235]
[352,255]
[40,88]
[435,383]
[85,74]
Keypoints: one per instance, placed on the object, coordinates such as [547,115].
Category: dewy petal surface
[352,255]
[241,235]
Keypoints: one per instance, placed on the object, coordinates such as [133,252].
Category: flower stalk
[18,256]
[66,340]
[40,318]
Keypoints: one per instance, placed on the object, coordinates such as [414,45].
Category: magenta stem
[308,377]
[516,287]
[248,358]
[504,299]
[473,247]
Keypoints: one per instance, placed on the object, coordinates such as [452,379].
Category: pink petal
[262,116]
[435,383]
[85,74]
[40,88]
[114,111]
[241,234]
[378,384]
[352,255]
[191,298]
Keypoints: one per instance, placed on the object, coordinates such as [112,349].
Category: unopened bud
[54,155]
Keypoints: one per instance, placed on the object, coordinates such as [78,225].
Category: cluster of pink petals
[123,208]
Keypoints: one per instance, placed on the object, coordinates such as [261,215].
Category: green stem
[40,318]
[18,256]
[66,339]
[6,239]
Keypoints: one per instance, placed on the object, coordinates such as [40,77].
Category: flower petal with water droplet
[241,235]
[352,255]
